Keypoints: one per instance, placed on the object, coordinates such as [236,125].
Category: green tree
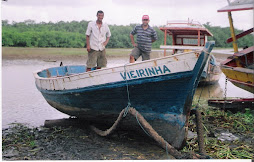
[72,34]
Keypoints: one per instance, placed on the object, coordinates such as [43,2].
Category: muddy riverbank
[227,136]
[76,143]
[77,54]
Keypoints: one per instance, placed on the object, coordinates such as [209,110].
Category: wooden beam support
[232,30]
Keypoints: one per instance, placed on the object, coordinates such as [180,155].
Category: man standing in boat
[97,37]
[146,35]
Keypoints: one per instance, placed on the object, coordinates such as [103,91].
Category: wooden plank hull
[231,104]
[166,113]
[240,77]
[160,89]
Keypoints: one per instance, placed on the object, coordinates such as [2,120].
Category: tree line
[72,35]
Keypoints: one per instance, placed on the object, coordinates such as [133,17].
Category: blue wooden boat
[160,89]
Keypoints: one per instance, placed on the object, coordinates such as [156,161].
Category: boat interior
[62,71]
[245,58]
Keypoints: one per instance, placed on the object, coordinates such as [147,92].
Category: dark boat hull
[164,100]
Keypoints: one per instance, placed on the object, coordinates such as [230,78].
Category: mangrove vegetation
[72,35]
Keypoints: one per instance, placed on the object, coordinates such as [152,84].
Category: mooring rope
[160,140]
[128,93]
[126,110]
[141,125]
[147,126]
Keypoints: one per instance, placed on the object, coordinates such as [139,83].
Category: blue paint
[123,75]
[151,71]
[137,73]
[133,75]
[165,69]
[128,75]
[146,72]
[158,70]
[142,73]
[62,71]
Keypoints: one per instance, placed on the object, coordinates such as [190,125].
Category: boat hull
[211,73]
[164,97]
[156,107]
[240,77]
[239,69]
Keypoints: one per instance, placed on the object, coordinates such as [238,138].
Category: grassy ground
[216,122]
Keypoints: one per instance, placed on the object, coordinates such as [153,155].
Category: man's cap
[145,17]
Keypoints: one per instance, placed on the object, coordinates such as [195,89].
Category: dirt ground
[77,143]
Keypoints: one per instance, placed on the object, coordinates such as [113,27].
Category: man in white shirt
[97,37]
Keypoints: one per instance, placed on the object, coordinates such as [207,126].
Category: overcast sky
[124,12]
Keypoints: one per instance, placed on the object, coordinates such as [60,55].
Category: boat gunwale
[239,69]
[110,68]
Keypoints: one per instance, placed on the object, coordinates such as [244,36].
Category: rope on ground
[111,129]
[160,140]
[141,125]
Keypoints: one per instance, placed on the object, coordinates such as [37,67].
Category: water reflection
[209,91]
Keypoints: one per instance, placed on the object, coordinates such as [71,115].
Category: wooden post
[165,41]
[232,30]
[199,38]
[173,41]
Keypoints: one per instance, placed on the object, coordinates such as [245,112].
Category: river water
[23,103]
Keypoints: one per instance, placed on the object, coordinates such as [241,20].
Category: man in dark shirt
[146,35]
